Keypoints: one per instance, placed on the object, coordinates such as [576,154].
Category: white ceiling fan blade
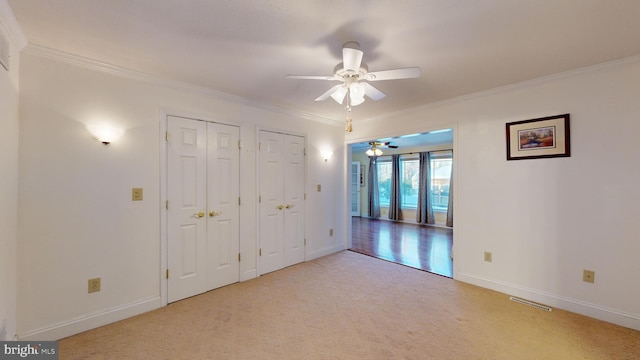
[352,56]
[330,92]
[339,94]
[372,92]
[404,73]
[313,77]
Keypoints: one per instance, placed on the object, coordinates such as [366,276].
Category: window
[410,183]
[384,181]
[410,170]
[440,176]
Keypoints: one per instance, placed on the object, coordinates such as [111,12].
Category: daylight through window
[441,162]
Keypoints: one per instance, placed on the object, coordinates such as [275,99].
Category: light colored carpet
[352,306]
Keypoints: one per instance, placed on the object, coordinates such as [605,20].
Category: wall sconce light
[106,134]
[326,155]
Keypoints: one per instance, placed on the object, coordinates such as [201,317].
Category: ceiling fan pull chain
[348,127]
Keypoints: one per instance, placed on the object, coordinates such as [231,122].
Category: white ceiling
[246,47]
[408,141]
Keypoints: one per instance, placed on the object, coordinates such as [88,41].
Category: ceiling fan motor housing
[343,73]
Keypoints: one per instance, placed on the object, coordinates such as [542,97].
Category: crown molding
[10,23]
[504,88]
[91,64]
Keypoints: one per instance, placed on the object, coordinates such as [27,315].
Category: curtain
[395,200]
[424,215]
[372,192]
[450,204]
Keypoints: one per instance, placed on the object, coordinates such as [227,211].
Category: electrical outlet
[487,256]
[319,187]
[589,276]
[136,194]
[94,285]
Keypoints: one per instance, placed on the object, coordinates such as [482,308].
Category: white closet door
[223,210]
[294,215]
[203,214]
[271,207]
[186,180]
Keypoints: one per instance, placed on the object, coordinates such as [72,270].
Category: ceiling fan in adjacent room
[376,145]
[355,77]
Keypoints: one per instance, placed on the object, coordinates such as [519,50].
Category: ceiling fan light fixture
[374,152]
[356,101]
[356,93]
[339,94]
[350,72]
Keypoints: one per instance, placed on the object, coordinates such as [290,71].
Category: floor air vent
[523,301]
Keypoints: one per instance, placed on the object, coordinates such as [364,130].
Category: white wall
[546,220]
[76,217]
[9,85]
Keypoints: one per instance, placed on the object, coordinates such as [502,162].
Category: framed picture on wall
[538,138]
[362,176]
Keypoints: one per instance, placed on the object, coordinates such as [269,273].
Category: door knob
[279,207]
[213,213]
[288,206]
[200,214]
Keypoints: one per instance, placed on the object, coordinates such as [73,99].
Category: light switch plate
[136,194]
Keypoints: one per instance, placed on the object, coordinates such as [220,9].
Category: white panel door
[294,199]
[271,202]
[186,157]
[223,209]
[355,188]
[203,214]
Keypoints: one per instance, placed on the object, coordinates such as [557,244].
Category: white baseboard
[553,300]
[324,252]
[76,326]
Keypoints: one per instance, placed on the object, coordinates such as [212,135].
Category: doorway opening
[405,209]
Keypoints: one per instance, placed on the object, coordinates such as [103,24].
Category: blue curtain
[424,215]
[372,180]
[395,201]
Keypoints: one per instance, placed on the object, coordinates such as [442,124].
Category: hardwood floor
[423,247]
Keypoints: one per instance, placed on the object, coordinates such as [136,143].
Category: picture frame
[545,137]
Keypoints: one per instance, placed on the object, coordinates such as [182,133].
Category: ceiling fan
[376,145]
[386,144]
[355,77]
